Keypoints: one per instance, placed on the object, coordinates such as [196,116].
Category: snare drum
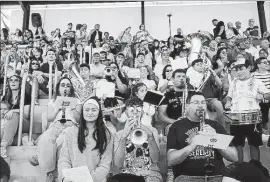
[244,117]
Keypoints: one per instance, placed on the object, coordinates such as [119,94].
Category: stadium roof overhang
[25,5]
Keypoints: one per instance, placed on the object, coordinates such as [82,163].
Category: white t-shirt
[243,94]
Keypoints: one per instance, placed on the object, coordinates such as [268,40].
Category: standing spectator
[253,30]
[219,30]
[125,37]
[4,35]
[16,37]
[142,34]
[57,35]
[27,36]
[179,37]
[39,34]
[95,34]
[239,29]
[166,80]
[262,67]
[231,31]
[106,38]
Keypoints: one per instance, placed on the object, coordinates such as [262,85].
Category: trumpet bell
[138,136]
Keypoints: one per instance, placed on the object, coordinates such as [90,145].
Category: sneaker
[34,160]
[50,177]
[3,152]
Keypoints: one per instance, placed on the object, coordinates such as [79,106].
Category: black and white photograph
[135,91]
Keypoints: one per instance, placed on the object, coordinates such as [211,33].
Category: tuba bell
[138,136]
[196,41]
[80,87]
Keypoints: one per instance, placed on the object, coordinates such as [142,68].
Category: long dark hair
[72,92]
[217,56]
[99,134]
[164,71]
[36,33]
[8,94]
[136,88]
[30,67]
[120,75]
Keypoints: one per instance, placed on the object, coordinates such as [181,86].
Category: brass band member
[244,93]
[131,157]
[187,158]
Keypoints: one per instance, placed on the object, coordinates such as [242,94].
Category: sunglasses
[35,64]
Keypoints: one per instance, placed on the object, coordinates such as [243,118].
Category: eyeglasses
[265,62]
[133,109]
[198,102]
[169,70]
[65,85]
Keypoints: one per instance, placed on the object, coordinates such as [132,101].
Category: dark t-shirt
[45,67]
[254,31]
[178,137]
[217,29]
[174,102]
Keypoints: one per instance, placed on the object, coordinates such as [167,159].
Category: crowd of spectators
[134,64]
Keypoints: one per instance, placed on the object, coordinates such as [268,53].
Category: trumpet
[138,136]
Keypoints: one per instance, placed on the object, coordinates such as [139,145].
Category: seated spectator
[97,69]
[57,35]
[10,115]
[61,118]
[140,160]
[146,78]
[89,144]
[166,80]
[44,70]
[97,47]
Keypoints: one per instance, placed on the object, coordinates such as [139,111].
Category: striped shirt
[265,78]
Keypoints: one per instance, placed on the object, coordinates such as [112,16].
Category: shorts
[241,132]
[265,110]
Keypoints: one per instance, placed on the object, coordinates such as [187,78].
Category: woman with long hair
[27,36]
[16,37]
[39,34]
[90,144]
[11,117]
[142,34]
[125,37]
[221,61]
[4,35]
[60,116]
[57,35]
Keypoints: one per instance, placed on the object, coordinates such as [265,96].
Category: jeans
[50,144]
[184,178]
[11,127]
